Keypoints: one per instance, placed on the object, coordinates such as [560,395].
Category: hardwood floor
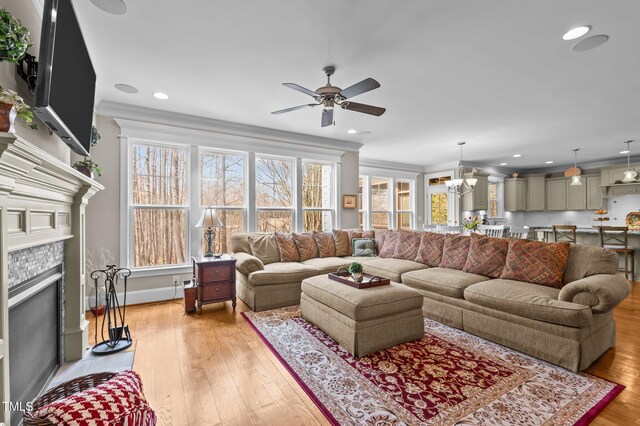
[213,369]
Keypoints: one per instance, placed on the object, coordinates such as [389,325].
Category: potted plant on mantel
[14,38]
[87,166]
[11,106]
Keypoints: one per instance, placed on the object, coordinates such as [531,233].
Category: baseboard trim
[151,295]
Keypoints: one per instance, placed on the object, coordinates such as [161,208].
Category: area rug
[448,377]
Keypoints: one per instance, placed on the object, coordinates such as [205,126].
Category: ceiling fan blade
[367,109]
[359,88]
[327,117]
[282,111]
[301,89]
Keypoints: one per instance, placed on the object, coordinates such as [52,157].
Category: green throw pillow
[364,247]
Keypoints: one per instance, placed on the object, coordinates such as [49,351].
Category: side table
[215,280]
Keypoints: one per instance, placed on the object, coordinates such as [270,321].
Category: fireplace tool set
[117,332]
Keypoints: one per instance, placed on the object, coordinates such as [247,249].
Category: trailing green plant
[95,136]
[24,111]
[89,164]
[355,268]
[14,38]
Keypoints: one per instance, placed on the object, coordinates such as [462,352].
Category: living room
[485,173]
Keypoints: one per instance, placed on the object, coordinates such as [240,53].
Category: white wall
[350,165]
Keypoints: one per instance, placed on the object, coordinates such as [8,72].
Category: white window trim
[500,192]
[412,202]
[392,212]
[334,194]
[454,211]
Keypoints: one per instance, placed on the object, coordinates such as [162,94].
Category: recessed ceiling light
[352,131]
[517,155]
[115,7]
[160,95]
[590,43]
[625,151]
[548,162]
[503,164]
[574,33]
[126,88]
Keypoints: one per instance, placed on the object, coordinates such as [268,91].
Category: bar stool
[564,233]
[615,238]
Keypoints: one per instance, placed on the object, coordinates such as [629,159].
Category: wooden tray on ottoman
[368,280]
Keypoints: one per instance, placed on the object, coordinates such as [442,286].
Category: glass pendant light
[576,179]
[630,175]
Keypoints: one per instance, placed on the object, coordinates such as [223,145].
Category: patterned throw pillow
[326,244]
[536,262]
[369,234]
[407,245]
[380,236]
[341,239]
[454,253]
[307,246]
[430,250]
[118,401]
[287,246]
[265,248]
[487,255]
[363,247]
[389,245]
[353,233]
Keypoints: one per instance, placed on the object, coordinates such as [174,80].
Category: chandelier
[630,174]
[461,186]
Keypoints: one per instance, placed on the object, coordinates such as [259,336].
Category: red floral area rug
[448,377]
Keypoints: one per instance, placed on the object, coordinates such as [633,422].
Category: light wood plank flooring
[213,369]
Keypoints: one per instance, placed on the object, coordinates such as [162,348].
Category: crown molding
[391,165]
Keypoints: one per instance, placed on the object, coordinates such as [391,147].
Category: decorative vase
[85,171]
[97,311]
[8,116]
[357,277]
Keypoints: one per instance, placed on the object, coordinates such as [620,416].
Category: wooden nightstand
[215,280]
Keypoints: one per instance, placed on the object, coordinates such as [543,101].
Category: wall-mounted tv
[66,85]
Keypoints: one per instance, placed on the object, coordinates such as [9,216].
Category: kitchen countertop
[580,230]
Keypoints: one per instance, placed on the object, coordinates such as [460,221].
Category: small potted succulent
[11,106]
[14,38]
[355,269]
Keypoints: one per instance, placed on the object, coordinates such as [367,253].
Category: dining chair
[616,238]
[519,233]
[445,229]
[496,231]
[564,233]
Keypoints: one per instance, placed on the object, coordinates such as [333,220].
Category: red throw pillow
[487,255]
[118,401]
[407,245]
[287,246]
[454,253]
[326,244]
[430,249]
[389,245]
[307,246]
[536,262]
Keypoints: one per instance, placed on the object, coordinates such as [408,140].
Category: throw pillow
[363,247]
[369,234]
[326,244]
[265,248]
[307,246]
[389,245]
[380,236]
[487,255]
[536,262]
[342,242]
[118,401]
[287,247]
[430,250]
[353,233]
[455,250]
[407,245]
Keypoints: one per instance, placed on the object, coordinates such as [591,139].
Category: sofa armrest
[601,292]
[246,264]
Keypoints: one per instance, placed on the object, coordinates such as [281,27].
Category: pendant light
[629,174]
[576,179]
[461,186]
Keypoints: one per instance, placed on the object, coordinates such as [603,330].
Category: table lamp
[209,220]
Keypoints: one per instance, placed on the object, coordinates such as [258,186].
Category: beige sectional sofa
[569,326]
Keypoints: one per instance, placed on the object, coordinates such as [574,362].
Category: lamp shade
[576,180]
[629,176]
[209,219]
[472,182]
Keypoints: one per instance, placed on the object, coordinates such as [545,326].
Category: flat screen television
[66,84]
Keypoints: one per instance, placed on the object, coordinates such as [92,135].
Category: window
[317,196]
[362,204]
[274,194]
[158,205]
[379,194]
[404,203]
[438,201]
[222,185]
[496,197]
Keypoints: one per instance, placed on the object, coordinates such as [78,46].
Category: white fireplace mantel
[42,200]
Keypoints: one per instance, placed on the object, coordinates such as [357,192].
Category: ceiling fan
[330,96]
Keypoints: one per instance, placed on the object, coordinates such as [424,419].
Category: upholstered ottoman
[363,321]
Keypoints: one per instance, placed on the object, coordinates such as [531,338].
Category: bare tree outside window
[317,196]
[274,194]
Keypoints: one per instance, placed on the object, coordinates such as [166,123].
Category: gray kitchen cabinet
[594,193]
[478,199]
[576,195]
[536,191]
[556,193]
[515,195]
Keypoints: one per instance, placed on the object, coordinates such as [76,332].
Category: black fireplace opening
[35,334]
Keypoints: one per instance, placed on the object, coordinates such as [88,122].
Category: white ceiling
[495,73]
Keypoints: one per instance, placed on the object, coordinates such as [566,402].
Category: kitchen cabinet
[478,198]
[515,195]
[556,193]
[536,193]
[576,195]
[594,193]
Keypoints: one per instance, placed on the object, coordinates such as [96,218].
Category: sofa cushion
[430,249]
[407,245]
[342,242]
[380,235]
[585,261]
[536,262]
[287,247]
[447,282]
[324,265]
[306,244]
[487,255]
[528,300]
[265,247]
[390,268]
[282,273]
[377,302]
[454,253]
[389,245]
[326,244]
[363,247]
